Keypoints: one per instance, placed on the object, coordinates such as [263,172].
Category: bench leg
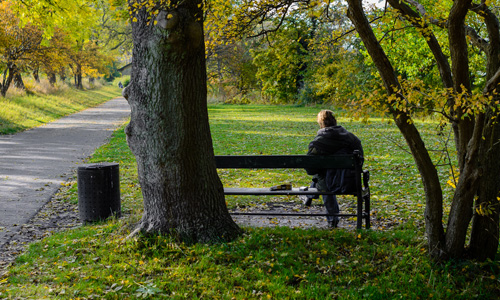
[367,211]
[359,218]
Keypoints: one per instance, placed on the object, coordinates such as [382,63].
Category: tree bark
[463,198]
[485,223]
[169,132]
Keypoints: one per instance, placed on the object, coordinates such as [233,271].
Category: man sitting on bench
[332,139]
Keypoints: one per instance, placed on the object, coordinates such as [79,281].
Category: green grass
[19,113]
[389,262]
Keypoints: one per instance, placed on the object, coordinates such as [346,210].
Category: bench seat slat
[266,191]
[284,161]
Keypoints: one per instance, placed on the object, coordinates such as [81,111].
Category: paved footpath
[34,163]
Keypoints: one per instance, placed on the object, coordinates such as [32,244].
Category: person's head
[326,119]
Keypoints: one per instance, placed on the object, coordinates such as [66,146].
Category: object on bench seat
[343,161]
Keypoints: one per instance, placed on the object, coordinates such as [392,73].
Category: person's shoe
[306,200]
[333,224]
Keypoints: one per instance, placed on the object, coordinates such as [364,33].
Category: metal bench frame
[349,161]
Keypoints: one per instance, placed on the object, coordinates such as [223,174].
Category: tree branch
[267,31]
[418,22]
[492,83]
[491,47]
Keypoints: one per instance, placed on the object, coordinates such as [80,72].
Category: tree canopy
[56,36]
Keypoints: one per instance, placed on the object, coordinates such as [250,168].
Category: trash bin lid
[98,166]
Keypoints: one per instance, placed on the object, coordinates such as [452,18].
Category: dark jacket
[331,140]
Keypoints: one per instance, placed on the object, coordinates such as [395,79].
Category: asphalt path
[34,163]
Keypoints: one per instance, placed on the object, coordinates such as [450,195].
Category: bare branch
[476,40]
[267,31]
[421,9]
[492,83]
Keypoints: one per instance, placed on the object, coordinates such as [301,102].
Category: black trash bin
[98,191]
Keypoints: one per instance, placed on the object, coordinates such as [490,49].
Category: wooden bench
[352,161]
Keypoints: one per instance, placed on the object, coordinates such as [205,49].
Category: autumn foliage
[55,38]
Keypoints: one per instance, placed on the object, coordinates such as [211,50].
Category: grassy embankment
[388,262]
[20,111]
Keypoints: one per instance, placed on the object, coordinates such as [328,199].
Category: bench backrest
[342,161]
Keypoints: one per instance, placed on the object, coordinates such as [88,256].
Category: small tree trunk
[485,225]
[169,132]
[62,74]
[52,78]
[35,75]
[222,92]
[8,76]
[78,77]
[18,79]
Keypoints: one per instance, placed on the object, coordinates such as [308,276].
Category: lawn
[388,262]
[21,112]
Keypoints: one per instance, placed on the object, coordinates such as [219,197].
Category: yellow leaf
[451,183]
[134,19]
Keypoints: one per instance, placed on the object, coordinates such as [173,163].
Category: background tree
[294,48]
[17,42]
[115,31]
[231,71]
[279,67]
[114,35]
[54,59]
[168,131]
[82,35]
[86,59]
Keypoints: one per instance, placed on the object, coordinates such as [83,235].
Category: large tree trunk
[169,132]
